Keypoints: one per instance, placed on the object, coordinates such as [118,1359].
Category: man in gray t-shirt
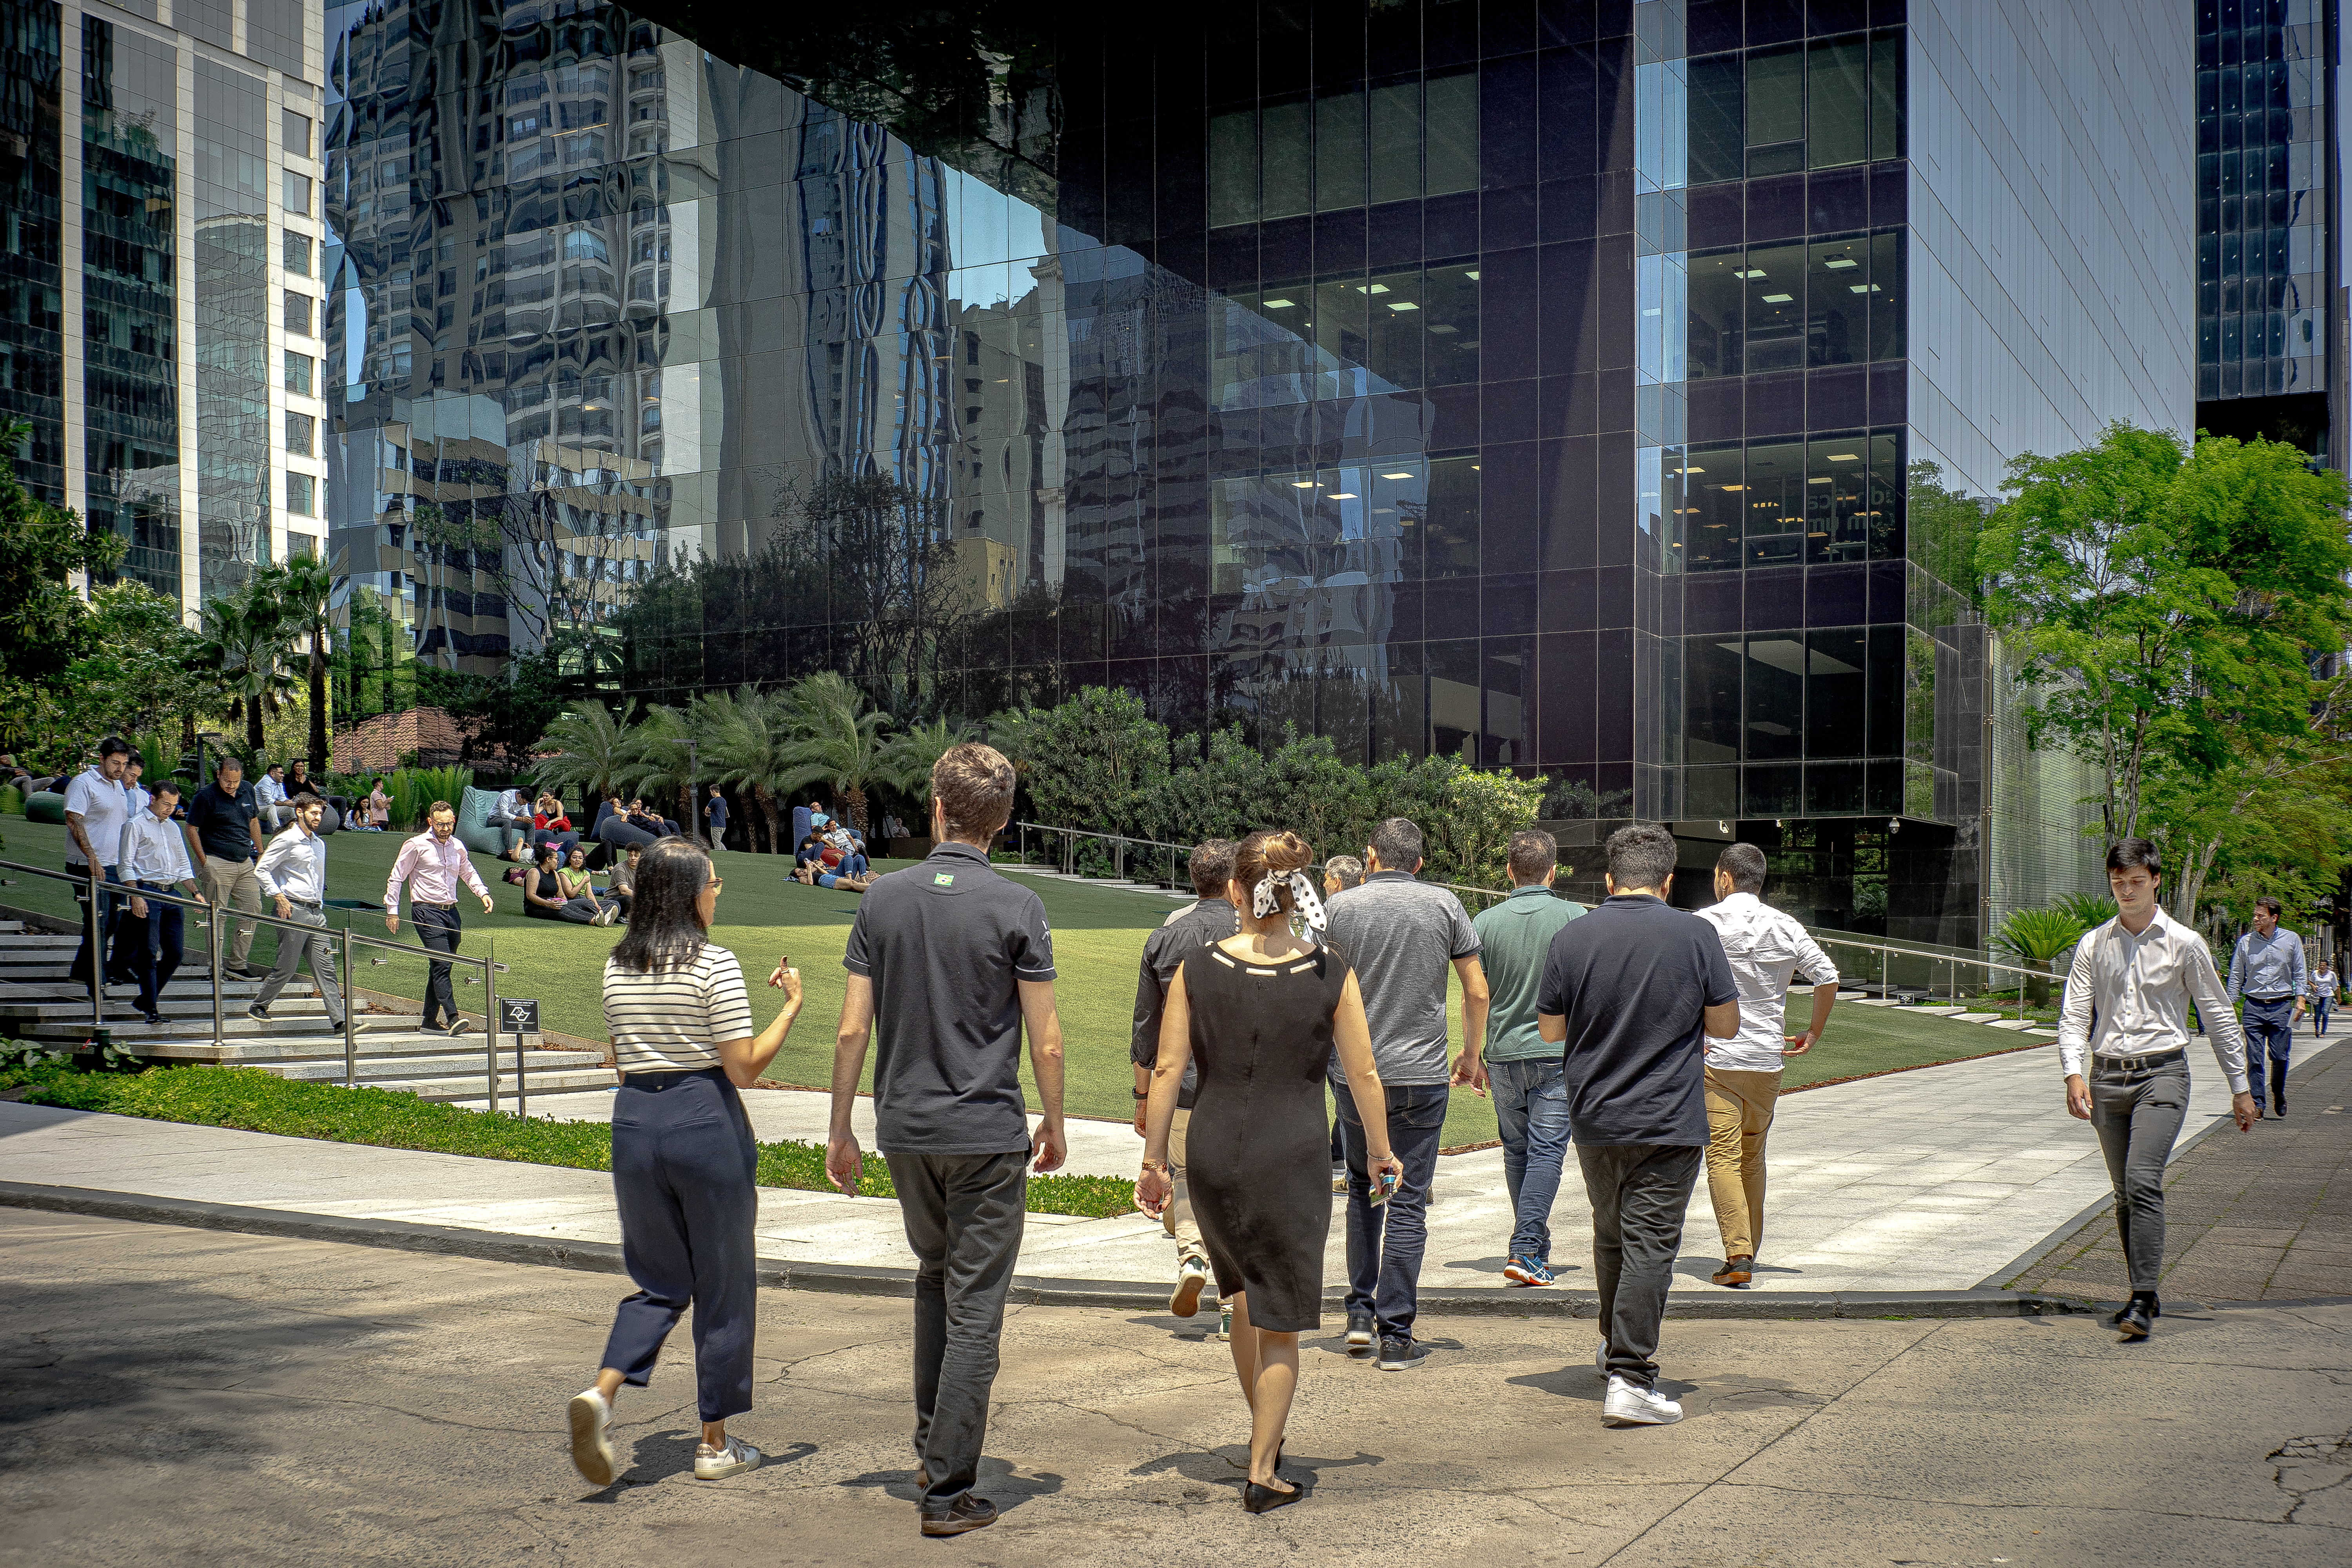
[1399,934]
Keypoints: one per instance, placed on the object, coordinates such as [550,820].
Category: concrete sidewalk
[1939,1179]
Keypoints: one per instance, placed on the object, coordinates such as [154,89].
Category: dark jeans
[437,927]
[1385,1244]
[1640,1192]
[1532,1116]
[110,913]
[2270,1029]
[963,1215]
[2136,1116]
[2320,1007]
[683,1164]
[149,950]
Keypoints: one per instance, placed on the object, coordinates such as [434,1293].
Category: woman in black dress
[1262,1014]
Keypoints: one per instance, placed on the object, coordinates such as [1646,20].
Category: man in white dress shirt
[96,812]
[1767,949]
[2128,997]
[270,794]
[293,875]
[154,859]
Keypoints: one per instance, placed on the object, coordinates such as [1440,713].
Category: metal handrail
[87,890]
[1953,963]
[1122,839]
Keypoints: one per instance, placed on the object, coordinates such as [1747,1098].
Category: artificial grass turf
[764,915]
[258,1101]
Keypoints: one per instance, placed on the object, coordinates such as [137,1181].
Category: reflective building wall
[1607,391]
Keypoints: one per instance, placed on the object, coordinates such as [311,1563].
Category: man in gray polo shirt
[1398,935]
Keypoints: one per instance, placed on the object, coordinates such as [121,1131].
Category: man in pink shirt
[430,863]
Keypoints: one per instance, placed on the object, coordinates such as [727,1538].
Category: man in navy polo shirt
[1634,991]
[946,962]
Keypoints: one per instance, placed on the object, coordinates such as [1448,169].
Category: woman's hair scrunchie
[1265,899]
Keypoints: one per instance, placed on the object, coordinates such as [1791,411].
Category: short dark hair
[665,925]
[166,785]
[230,761]
[1640,856]
[134,761]
[273,767]
[1533,855]
[1397,841]
[2267,902]
[437,808]
[2138,854]
[548,849]
[112,746]
[1213,867]
[305,799]
[1744,864]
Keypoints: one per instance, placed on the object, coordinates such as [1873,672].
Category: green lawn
[764,915]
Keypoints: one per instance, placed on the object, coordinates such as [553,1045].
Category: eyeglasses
[716,884]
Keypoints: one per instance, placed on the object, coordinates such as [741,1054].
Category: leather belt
[2140,1064]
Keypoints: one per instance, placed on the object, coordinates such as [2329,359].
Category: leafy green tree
[500,715]
[244,648]
[143,670]
[837,739]
[2168,597]
[747,737]
[1097,762]
[593,750]
[41,615]
[373,664]
[909,756]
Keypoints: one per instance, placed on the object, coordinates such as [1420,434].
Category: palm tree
[302,589]
[745,738]
[837,739]
[911,755]
[662,761]
[594,752]
[244,649]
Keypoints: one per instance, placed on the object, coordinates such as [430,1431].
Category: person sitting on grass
[579,882]
[544,897]
[808,850]
[625,879]
[821,873]
[843,839]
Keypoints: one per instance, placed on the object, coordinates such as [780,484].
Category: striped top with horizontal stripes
[672,1020]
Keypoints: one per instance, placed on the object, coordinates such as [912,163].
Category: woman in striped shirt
[683,1155]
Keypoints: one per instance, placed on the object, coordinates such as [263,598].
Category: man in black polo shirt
[1634,990]
[946,961]
[223,845]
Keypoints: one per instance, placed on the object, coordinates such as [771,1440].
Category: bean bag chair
[474,829]
[47,806]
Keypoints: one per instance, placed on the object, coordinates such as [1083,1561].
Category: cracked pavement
[185,1397]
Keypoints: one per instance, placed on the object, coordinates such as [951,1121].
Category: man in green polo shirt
[1521,1072]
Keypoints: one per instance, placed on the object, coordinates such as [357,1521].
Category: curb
[604,1257]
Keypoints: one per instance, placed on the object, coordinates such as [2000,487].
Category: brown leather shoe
[1735,1270]
[970,1511]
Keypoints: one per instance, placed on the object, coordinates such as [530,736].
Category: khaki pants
[232,885]
[1177,1219]
[1738,1115]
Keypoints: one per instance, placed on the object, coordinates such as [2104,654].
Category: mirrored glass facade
[1531,382]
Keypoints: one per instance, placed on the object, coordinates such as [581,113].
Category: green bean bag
[48,807]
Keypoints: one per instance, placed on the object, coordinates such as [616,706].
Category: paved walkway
[2267,1217]
[1932,1179]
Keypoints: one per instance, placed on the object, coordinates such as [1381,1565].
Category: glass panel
[1284,161]
[1711,699]
[1775,276]
[1836,88]
[1886,95]
[298,253]
[1712,791]
[1232,168]
[1837,295]
[1396,143]
[299,369]
[302,498]
[1450,295]
[1715,503]
[1340,308]
[1886,295]
[1453,134]
[1776,111]
[1339,152]
[1774,506]
[1717,134]
[296,133]
[1775,792]
[1715,286]
[297,194]
[1887,495]
[1834,692]
[1837,500]
[1776,694]
[1834,789]
[1886,729]
[1395,327]
[1450,542]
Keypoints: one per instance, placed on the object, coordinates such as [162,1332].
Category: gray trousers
[1640,1192]
[963,1215]
[2137,1116]
[292,946]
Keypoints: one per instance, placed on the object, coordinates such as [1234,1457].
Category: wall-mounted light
[1894,824]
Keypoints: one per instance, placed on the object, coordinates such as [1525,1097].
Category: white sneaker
[1190,1275]
[717,1464]
[1628,1405]
[592,1437]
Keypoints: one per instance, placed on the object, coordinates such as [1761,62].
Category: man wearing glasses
[432,864]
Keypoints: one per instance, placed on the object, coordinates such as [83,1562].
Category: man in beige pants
[1767,948]
[224,841]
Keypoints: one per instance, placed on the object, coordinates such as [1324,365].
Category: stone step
[175,1003]
[448,1090]
[20,940]
[234,1026]
[419,1068]
[324,1046]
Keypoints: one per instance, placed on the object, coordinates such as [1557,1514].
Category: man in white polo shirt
[97,810]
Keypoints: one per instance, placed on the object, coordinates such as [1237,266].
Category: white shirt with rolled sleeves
[294,866]
[2128,997]
[153,851]
[1767,948]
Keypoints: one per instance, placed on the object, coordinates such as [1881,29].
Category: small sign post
[520,1014]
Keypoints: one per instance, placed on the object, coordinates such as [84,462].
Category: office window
[1396,143]
[298,313]
[1776,111]
[1450,134]
[1285,159]
[297,133]
[297,192]
[1232,168]
[298,253]
[1718,137]
[1339,151]
[302,435]
[301,495]
[298,372]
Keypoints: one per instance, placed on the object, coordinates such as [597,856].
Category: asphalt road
[171,1395]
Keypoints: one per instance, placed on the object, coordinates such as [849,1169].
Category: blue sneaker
[1524,1271]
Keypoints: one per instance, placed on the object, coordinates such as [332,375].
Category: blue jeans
[2320,1007]
[2270,1028]
[1385,1245]
[1531,1113]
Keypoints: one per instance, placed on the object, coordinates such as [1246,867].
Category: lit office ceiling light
[1403,305]
[1279,304]
[1840,263]
[1758,272]
[1864,289]
[1400,476]
[1843,456]
[1302,484]
[1777,299]
[1341,495]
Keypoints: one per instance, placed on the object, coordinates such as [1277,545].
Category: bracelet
[1158,1166]
[1142,1094]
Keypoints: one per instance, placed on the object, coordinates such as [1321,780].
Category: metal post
[218,926]
[351,1025]
[96,926]
[522,1093]
[490,1011]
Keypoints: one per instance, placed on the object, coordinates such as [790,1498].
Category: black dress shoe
[969,1511]
[2278,1105]
[2132,1322]
[2155,1309]
[1256,1499]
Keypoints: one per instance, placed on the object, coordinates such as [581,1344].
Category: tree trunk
[318,700]
[252,736]
[853,802]
[766,798]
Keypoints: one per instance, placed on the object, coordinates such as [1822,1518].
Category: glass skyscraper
[1603,391]
[142,343]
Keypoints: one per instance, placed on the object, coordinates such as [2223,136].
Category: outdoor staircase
[40,1004]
